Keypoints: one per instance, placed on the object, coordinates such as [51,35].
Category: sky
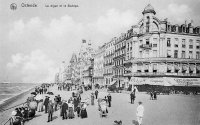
[35,41]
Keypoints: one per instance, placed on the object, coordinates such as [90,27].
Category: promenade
[167,110]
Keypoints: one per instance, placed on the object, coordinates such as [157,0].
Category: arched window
[147,24]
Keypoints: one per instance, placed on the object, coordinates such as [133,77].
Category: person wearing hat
[64,109]
[46,102]
[56,102]
[92,98]
[109,98]
[50,111]
[140,112]
[96,93]
[15,118]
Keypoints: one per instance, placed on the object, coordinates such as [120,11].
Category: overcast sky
[34,41]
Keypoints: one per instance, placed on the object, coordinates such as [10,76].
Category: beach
[14,100]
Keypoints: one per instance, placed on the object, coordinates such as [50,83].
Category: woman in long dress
[71,110]
[40,105]
[92,99]
[84,111]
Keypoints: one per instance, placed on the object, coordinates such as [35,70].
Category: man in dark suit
[109,100]
[50,111]
[96,93]
[64,110]
[46,102]
[132,97]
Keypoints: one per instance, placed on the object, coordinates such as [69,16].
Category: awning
[184,67]
[113,82]
[155,67]
[198,67]
[139,67]
[176,67]
[191,67]
[169,67]
[146,66]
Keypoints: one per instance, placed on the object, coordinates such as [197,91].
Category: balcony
[146,46]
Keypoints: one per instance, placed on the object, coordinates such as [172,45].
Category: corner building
[158,48]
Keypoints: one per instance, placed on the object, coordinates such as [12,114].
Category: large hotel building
[160,52]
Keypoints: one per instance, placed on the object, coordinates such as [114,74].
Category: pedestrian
[46,102]
[78,109]
[50,111]
[96,94]
[155,95]
[92,98]
[83,112]
[151,95]
[109,97]
[76,102]
[132,95]
[71,110]
[40,105]
[64,110]
[55,102]
[140,112]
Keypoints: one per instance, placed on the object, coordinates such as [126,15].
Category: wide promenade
[167,110]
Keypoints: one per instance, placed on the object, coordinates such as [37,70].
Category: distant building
[119,57]
[98,76]
[108,62]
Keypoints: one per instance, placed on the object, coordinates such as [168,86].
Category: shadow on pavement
[135,122]
[54,117]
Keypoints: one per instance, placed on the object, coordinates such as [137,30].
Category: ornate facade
[108,62]
[162,49]
[98,76]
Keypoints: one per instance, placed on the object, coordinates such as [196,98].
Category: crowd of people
[28,110]
[70,108]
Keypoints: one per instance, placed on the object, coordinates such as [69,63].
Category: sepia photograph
[99,62]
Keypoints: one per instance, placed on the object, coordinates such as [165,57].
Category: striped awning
[146,66]
[155,67]
[191,67]
[184,67]
[198,67]
[169,66]
[139,67]
[176,67]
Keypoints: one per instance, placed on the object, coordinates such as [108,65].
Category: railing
[146,46]
[8,121]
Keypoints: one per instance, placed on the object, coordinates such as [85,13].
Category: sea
[9,90]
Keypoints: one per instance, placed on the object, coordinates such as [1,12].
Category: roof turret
[149,9]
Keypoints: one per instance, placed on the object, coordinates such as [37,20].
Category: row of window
[120,45]
[169,54]
[118,62]
[119,53]
[108,71]
[108,61]
[119,72]
[191,43]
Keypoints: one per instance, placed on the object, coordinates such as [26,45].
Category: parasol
[33,105]
[38,97]
[33,93]
[50,93]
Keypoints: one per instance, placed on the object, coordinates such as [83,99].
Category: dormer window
[173,28]
[197,30]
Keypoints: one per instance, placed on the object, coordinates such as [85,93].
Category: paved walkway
[167,110]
